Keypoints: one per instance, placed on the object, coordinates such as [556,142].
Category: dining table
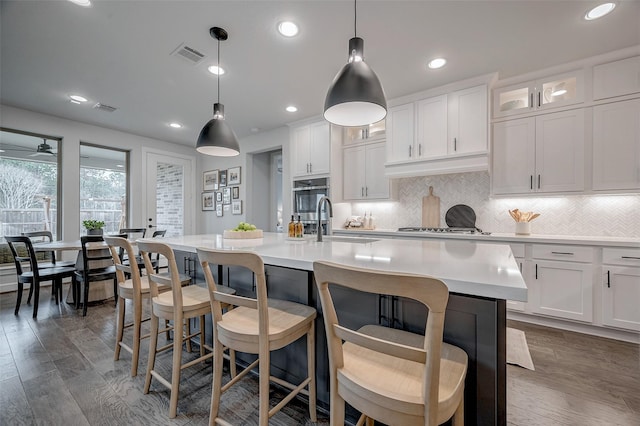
[98,290]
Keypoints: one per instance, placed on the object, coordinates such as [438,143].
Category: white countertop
[467,267]
[495,237]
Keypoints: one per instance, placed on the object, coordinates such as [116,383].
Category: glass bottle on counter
[299,228]
[292,228]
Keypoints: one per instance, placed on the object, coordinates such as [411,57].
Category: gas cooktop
[442,230]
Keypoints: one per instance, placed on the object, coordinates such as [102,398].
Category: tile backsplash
[588,215]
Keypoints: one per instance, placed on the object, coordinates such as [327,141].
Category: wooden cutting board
[431,210]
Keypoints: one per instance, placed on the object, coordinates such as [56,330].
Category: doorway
[266,191]
[169,193]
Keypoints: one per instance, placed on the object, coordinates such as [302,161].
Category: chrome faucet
[322,201]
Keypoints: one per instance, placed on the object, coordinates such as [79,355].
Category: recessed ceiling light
[1,150]
[85,3]
[216,70]
[77,98]
[437,63]
[291,108]
[287,28]
[119,165]
[175,125]
[599,11]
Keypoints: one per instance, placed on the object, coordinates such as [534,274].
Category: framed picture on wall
[218,197]
[235,192]
[210,180]
[236,207]
[222,178]
[208,201]
[226,195]
[233,176]
[219,210]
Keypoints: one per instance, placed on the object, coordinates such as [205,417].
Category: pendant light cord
[355,19]
[218,70]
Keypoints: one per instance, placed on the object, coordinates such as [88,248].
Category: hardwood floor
[59,369]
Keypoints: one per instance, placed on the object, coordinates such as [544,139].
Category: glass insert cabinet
[534,95]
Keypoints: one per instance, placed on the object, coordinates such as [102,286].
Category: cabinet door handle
[631,257]
[362,191]
[409,151]
[531,100]
[536,271]
[566,253]
[310,168]
[538,181]
[419,150]
[455,144]
[520,267]
[366,191]
[531,181]
[608,279]
[539,99]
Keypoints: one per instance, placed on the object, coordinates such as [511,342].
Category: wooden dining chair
[25,257]
[97,266]
[390,375]
[256,326]
[180,304]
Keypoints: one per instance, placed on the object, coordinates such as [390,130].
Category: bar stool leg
[264,371]
[175,370]
[119,330]
[153,346]
[137,325]
[311,372]
[217,380]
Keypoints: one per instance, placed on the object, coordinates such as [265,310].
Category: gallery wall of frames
[221,191]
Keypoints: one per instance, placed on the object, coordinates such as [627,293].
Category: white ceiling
[118,53]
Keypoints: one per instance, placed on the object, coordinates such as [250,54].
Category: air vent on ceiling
[103,107]
[188,53]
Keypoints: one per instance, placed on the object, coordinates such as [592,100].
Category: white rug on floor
[518,350]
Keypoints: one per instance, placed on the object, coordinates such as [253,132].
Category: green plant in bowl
[91,224]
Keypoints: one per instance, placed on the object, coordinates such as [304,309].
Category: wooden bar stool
[256,326]
[391,375]
[135,289]
[178,305]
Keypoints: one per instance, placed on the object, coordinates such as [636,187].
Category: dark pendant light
[216,137]
[356,97]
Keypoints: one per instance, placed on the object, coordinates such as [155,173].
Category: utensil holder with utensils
[523,228]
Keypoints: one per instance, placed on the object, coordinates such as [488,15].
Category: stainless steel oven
[306,194]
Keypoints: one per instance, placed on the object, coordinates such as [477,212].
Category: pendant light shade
[355,97]
[216,137]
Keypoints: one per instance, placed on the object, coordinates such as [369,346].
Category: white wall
[208,222]
[72,133]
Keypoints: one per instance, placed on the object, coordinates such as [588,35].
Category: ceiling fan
[43,149]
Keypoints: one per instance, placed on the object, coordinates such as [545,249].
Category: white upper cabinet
[431,140]
[543,154]
[440,134]
[311,149]
[616,146]
[468,121]
[363,172]
[552,92]
[400,133]
[616,78]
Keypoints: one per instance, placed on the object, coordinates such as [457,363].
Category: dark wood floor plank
[51,401]
[14,406]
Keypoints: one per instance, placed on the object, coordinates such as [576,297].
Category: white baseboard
[594,330]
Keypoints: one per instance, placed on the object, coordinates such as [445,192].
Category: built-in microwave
[306,195]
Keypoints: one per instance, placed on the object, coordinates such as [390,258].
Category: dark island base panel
[476,324]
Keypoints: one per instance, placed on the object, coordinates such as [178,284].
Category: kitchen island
[480,277]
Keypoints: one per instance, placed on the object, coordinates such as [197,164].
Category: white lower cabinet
[621,288]
[562,287]
[518,251]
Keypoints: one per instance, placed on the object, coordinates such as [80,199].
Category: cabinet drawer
[560,252]
[621,256]
[517,249]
